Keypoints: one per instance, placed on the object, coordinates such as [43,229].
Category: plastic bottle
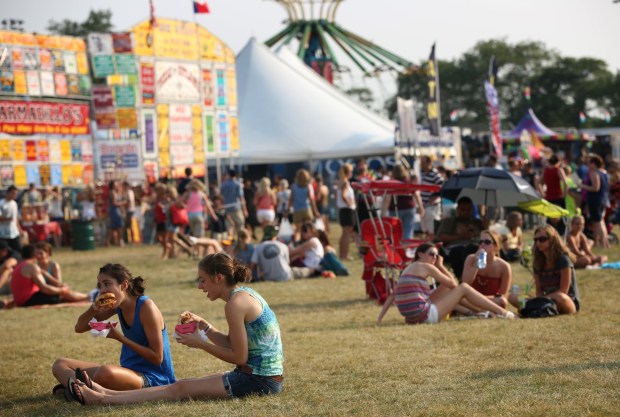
[516,289]
[482,260]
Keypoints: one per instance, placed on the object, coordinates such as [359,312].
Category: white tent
[287,113]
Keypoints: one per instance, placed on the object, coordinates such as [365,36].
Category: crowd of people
[280,232]
[250,231]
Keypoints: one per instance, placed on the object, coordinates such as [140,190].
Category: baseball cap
[270,232]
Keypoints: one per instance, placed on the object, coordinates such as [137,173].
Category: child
[253,344]
[145,354]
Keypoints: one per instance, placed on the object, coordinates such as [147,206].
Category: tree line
[560,87]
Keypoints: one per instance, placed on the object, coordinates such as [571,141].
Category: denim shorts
[239,384]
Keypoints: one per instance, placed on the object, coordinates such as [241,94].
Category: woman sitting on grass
[494,280]
[579,245]
[49,269]
[554,274]
[145,353]
[512,244]
[418,304]
[30,288]
[306,258]
[253,344]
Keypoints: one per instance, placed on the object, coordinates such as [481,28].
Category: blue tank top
[265,355]
[156,375]
[300,197]
[599,196]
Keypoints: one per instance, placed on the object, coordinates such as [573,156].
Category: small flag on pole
[527,92]
[200,7]
[582,117]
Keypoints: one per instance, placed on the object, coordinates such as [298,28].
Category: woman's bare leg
[74,296]
[108,376]
[446,303]
[211,386]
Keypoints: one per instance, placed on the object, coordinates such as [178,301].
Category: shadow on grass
[512,372]
[337,304]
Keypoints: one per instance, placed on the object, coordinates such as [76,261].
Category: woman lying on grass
[145,353]
[253,344]
[418,304]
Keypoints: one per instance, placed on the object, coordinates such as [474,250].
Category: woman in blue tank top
[253,344]
[145,353]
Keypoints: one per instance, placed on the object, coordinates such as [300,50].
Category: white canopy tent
[287,113]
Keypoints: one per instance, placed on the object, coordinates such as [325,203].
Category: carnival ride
[312,24]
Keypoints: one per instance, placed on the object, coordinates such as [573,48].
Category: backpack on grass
[539,307]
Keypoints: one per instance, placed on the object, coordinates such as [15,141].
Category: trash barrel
[83,235]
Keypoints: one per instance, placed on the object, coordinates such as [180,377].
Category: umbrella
[489,186]
[544,208]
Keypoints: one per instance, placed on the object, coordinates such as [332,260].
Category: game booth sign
[170,94]
[44,111]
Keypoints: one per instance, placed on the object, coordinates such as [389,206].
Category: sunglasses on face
[433,254]
[541,239]
[486,242]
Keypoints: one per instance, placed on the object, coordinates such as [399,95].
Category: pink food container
[100,325]
[185,328]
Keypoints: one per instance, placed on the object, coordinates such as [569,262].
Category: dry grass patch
[337,362]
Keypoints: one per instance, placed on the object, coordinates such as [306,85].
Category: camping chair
[379,255]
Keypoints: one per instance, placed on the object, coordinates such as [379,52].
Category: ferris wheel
[312,24]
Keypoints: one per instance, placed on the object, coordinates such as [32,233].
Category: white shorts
[265,215]
[433,315]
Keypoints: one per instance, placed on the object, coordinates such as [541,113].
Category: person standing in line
[322,200]
[556,187]
[130,209]
[115,213]
[345,201]
[234,201]
[301,201]
[265,202]
[283,196]
[10,230]
[249,194]
[430,201]
[597,196]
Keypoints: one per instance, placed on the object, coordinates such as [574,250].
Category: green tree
[97,21]
[361,95]
[560,87]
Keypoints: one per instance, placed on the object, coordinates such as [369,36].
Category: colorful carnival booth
[165,99]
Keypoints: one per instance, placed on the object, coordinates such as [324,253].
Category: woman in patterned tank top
[253,344]
[419,304]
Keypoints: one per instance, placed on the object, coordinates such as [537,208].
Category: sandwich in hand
[105,300]
[186,326]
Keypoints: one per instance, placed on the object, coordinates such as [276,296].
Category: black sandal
[73,391]
[82,376]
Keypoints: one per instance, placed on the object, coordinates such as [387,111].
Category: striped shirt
[431,177]
[412,298]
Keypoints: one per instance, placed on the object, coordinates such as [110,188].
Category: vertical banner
[222,132]
[207,87]
[87,151]
[181,141]
[21,178]
[406,121]
[147,79]
[494,122]
[209,130]
[234,133]
[232,89]
[55,175]
[432,107]
[32,174]
[43,151]
[55,151]
[220,76]
[149,137]
[44,174]
[31,150]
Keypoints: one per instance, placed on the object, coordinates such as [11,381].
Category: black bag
[539,307]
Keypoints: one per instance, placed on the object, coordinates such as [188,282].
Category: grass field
[337,362]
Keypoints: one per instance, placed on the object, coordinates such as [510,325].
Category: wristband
[208,328]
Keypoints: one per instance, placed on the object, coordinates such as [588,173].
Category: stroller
[385,251]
